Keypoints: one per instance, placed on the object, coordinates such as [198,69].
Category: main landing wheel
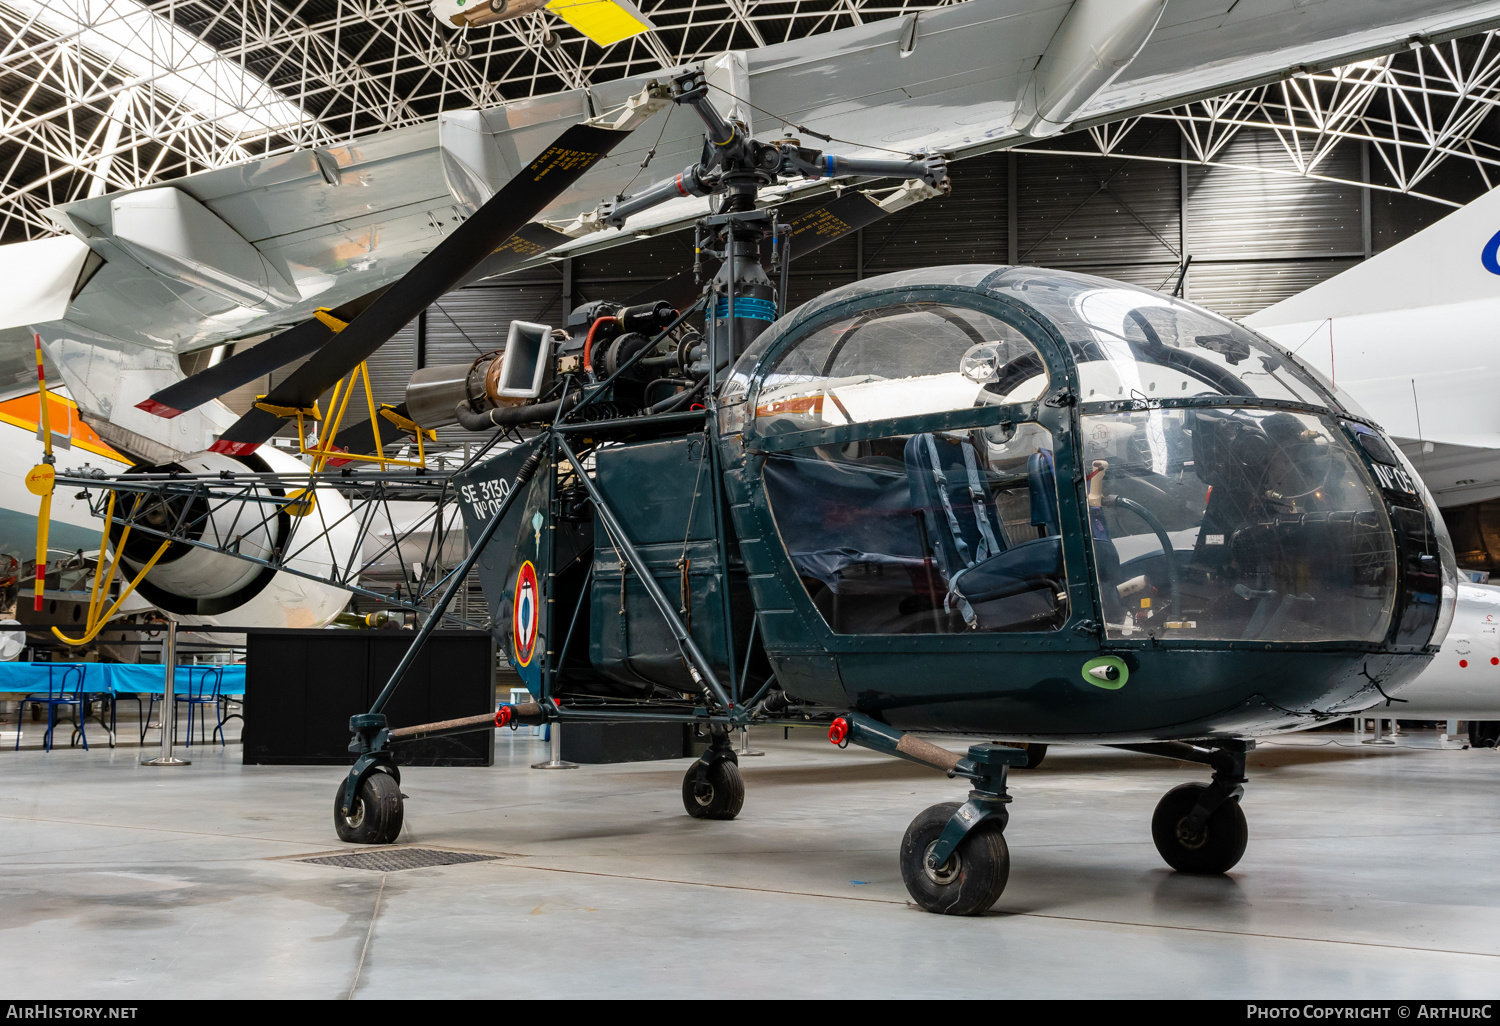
[718,794]
[972,878]
[377,814]
[1214,849]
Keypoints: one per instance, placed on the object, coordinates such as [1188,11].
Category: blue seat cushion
[1024,567]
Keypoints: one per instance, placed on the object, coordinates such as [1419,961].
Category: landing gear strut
[713,788]
[367,807]
[1200,828]
[954,859]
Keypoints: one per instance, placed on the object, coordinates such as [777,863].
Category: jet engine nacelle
[203,587]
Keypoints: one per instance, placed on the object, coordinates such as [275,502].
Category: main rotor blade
[832,221]
[528,241]
[256,362]
[453,259]
[810,231]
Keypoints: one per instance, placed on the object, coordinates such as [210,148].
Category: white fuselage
[73,527]
[1463,681]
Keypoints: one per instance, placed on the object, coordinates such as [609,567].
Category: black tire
[719,795]
[1216,849]
[973,877]
[377,814]
[1484,733]
[1035,753]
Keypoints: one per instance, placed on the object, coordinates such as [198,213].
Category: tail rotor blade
[43,522]
[449,263]
[40,480]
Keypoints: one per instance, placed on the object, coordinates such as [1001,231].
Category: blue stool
[58,693]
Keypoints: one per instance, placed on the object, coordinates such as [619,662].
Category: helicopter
[976,500]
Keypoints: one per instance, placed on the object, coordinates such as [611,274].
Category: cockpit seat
[949,488]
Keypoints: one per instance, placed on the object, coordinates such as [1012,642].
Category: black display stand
[301,687]
[594,743]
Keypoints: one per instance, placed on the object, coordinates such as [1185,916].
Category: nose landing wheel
[1214,847]
[1200,828]
[970,880]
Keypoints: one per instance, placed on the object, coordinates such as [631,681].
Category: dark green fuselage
[692,497]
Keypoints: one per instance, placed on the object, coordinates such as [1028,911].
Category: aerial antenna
[1182,276]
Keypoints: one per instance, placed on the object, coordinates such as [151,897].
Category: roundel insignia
[1490,255]
[524,614]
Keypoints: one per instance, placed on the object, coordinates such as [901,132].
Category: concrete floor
[1370,873]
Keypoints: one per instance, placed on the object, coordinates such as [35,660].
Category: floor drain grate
[393,860]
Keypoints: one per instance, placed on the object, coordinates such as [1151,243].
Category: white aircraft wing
[247,250]
[1411,335]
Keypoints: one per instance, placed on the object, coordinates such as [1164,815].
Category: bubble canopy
[916,426]
[1122,341]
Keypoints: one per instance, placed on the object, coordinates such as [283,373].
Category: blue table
[36,678]
[120,678]
[150,678]
[193,686]
[68,683]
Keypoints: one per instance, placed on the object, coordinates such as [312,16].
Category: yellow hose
[94,629]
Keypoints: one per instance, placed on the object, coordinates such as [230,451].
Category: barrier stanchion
[168,703]
[1377,739]
[554,734]
[745,748]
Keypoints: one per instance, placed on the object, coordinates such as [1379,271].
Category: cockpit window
[899,360]
[1236,525]
[938,532]
[1135,343]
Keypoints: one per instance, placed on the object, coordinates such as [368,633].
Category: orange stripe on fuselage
[24,411]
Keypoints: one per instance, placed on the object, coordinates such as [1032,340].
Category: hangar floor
[1370,873]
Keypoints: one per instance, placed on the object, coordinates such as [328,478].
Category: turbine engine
[206,587]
